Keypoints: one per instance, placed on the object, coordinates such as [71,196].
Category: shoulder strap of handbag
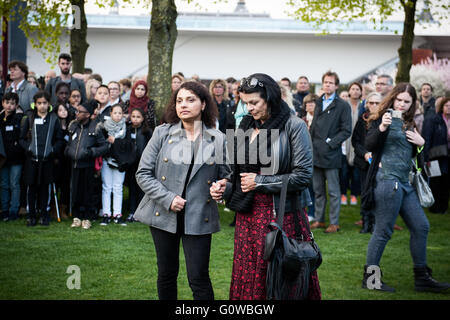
[280,213]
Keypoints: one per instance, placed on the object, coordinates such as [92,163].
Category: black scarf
[243,201]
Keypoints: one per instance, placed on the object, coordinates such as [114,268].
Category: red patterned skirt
[248,279]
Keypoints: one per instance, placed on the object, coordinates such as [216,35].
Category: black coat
[333,124]
[10,128]
[85,144]
[358,140]
[434,132]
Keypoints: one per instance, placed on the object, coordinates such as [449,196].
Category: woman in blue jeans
[393,140]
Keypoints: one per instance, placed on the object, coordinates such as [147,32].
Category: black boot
[31,220]
[425,283]
[382,286]
[45,218]
[365,224]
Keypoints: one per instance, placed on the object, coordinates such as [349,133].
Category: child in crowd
[140,135]
[62,92]
[41,137]
[62,163]
[85,144]
[104,108]
[11,171]
[114,127]
[75,98]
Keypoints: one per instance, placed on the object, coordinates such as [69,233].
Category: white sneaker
[310,218]
[86,224]
[76,223]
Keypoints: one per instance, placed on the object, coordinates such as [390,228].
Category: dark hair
[144,125]
[103,86]
[115,106]
[330,73]
[358,85]
[65,56]
[97,77]
[440,106]
[41,94]
[209,114]
[426,84]
[71,91]
[11,96]
[114,82]
[61,84]
[125,82]
[87,70]
[230,80]
[22,66]
[270,91]
[303,77]
[390,80]
[388,103]
[286,79]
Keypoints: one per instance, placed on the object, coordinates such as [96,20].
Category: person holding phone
[393,140]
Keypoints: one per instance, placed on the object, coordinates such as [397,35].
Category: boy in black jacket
[41,137]
[85,144]
[11,171]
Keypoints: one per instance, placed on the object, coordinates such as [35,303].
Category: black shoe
[31,222]
[130,218]
[5,216]
[369,277]
[106,220]
[13,217]
[119,220]
[233,223]
[425,283]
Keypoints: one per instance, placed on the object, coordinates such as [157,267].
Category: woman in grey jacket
[181,161]
[276,143]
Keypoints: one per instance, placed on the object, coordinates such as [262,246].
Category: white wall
[116,53]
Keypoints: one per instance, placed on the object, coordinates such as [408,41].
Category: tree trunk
[161,42]
[405,50]
[78,35]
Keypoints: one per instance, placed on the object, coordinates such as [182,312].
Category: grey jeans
[320,179]
[391,199]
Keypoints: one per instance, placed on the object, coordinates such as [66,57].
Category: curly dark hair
[209,114]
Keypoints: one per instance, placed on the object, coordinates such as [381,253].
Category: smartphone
[396,114]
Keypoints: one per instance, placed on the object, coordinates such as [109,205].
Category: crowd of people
[69,143]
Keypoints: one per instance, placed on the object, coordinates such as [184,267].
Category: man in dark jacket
[302,87]
[84,146]
[65,63]
[331,126]
[11,170]
[427,101]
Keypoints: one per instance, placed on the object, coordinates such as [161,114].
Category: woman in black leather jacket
[283,145]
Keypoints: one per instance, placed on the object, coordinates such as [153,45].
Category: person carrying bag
[291,261]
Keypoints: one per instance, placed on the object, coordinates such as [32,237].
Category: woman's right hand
[177,204]
[217,189]
[386,121]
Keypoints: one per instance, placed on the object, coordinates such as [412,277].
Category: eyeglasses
[373,103]
[250,82]
[75,96]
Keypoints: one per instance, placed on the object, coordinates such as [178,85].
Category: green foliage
[44,19]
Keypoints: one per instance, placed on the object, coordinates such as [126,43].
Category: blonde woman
[91,88]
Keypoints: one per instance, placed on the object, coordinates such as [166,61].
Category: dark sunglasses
[250,83]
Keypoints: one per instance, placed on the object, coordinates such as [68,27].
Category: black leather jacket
[85,144]
[292,155]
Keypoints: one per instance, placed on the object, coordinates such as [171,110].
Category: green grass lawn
[119,262]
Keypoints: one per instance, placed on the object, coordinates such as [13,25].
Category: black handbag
[291,261]
[438,152]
